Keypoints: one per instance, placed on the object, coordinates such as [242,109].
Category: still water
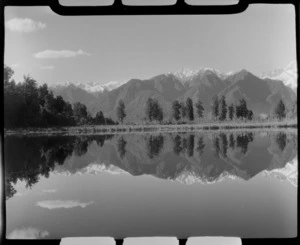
[181,184]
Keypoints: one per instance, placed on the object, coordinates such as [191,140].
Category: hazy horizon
[57,49]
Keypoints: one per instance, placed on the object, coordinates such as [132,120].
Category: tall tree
[121,111]
[99,118]
[293,112]
[215,107]
[190,109]
[8,73]
[31,107]
[153,110]
[280,110]
[223,108]
[80,113]
[241,109]
[199,108]
[231,111]
[176,110]
[149,109]
[183,110]
[157,111]
[250,115]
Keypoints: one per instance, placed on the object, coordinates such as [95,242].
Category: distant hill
[261,93]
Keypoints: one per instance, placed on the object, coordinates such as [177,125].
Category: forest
[28,105]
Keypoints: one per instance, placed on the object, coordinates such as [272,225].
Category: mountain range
[261,92]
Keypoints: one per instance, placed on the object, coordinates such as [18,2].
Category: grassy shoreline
[115,129]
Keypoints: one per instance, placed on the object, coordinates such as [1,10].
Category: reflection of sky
[145,205]
[89,192]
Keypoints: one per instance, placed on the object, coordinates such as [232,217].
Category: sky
[56,49]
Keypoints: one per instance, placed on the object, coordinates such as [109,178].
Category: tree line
[220,110]
[28,105]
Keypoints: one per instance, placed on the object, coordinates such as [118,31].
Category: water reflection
[168,156]
[122,147]
[154,145]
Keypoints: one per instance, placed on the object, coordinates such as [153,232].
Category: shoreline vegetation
[155,128]
[30,109]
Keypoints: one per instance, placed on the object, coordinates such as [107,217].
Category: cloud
[24,25]
[46,67]
[54,204]
[28,233]
[56,54]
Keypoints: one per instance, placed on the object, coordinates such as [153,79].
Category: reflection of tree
[9,190]
[177,145]
[184,144]
[122,147]
[231,141]
[100,139]
[224,142]
[28,158]
[80,147]
[200,146]
[242,141]
[155,145]
[190,145]
[281,140]
[216,145]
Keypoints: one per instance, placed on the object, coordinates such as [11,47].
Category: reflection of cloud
[28,233]
[54,204]
[49,191]
[56,54]
[24,25]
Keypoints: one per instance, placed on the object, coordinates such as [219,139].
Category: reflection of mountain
[288,172]
[185,157]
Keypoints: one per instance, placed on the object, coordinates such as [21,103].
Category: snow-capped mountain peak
[186,74]
[287,75]
[92,87]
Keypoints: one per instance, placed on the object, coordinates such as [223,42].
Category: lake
[231,183]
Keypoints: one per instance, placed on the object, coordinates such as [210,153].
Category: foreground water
[188,184]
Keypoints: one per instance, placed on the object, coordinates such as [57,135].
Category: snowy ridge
[91,87]
[93,169]
[289,172]
[189,178]
[287,75]
[185,75]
